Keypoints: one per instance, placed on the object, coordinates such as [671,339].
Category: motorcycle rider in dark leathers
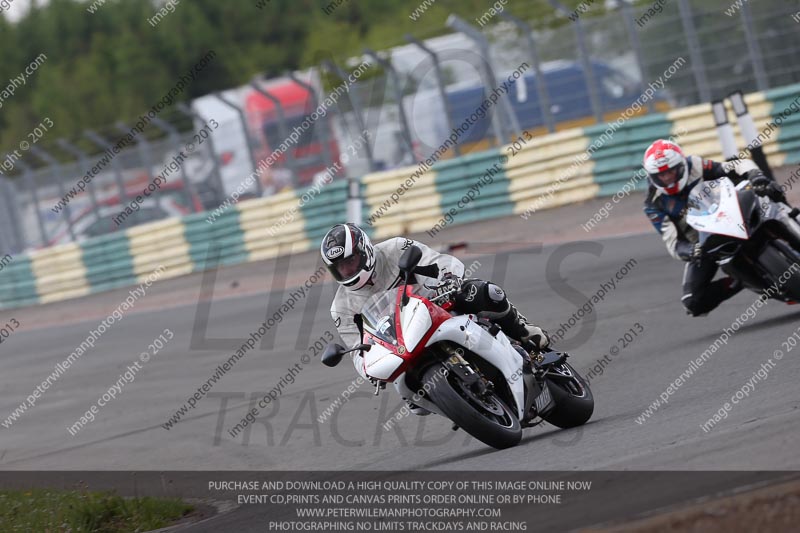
[672,177]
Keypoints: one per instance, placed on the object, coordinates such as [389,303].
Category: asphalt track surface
[547,283]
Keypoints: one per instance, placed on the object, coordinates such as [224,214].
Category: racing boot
[532,338]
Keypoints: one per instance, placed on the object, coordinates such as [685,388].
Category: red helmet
[666,167]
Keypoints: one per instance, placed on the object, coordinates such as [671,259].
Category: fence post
[246,131]
[501,134]
[440,84]
[753,48]
[31,186]
[83,163]
[188,187]
[142,147]
[636,45]
[55,172]
[104,144]
[355,101]
[541,87]
[583,54]
[398,94]
[12,213]
[696,54]
[186,110]
[324,135]
[284,131]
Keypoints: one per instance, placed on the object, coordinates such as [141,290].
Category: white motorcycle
[462,367]
[755,239]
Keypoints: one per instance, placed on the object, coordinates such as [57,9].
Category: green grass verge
[85,512]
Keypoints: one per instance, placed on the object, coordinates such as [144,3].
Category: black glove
[760,184]
[763,186]
[687,251]
[449,283]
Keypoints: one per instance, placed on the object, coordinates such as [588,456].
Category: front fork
[456,363]
[537,398]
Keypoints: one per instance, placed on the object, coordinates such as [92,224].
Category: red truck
[305,143]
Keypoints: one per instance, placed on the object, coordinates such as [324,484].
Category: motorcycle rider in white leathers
[363,270]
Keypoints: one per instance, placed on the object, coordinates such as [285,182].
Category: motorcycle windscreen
[714,208]
[377,316]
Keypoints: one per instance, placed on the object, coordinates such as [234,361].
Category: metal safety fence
[393,108]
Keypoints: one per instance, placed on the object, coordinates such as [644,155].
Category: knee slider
[495,293]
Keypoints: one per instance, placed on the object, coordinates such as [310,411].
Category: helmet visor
[346,268]
[668,177]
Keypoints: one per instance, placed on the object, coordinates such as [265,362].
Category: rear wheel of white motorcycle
[572,396]
[488,419]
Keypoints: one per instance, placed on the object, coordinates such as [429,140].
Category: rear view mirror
[333,354]
[410,258]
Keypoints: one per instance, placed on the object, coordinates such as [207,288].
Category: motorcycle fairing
[406,392]
[415,322]
[498,351]
[380,362]
[719,213]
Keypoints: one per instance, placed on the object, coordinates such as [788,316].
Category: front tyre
[572,396]
[781,261]
[487,418]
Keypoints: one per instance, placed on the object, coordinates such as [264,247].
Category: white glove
[537,336]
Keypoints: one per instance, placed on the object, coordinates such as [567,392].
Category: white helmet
[666,167]
[349,255]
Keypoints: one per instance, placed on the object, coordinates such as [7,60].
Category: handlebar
[445,296]
[438,297]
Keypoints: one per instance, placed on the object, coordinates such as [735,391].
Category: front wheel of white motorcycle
[486,417]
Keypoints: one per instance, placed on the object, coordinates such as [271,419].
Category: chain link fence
[574,69]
